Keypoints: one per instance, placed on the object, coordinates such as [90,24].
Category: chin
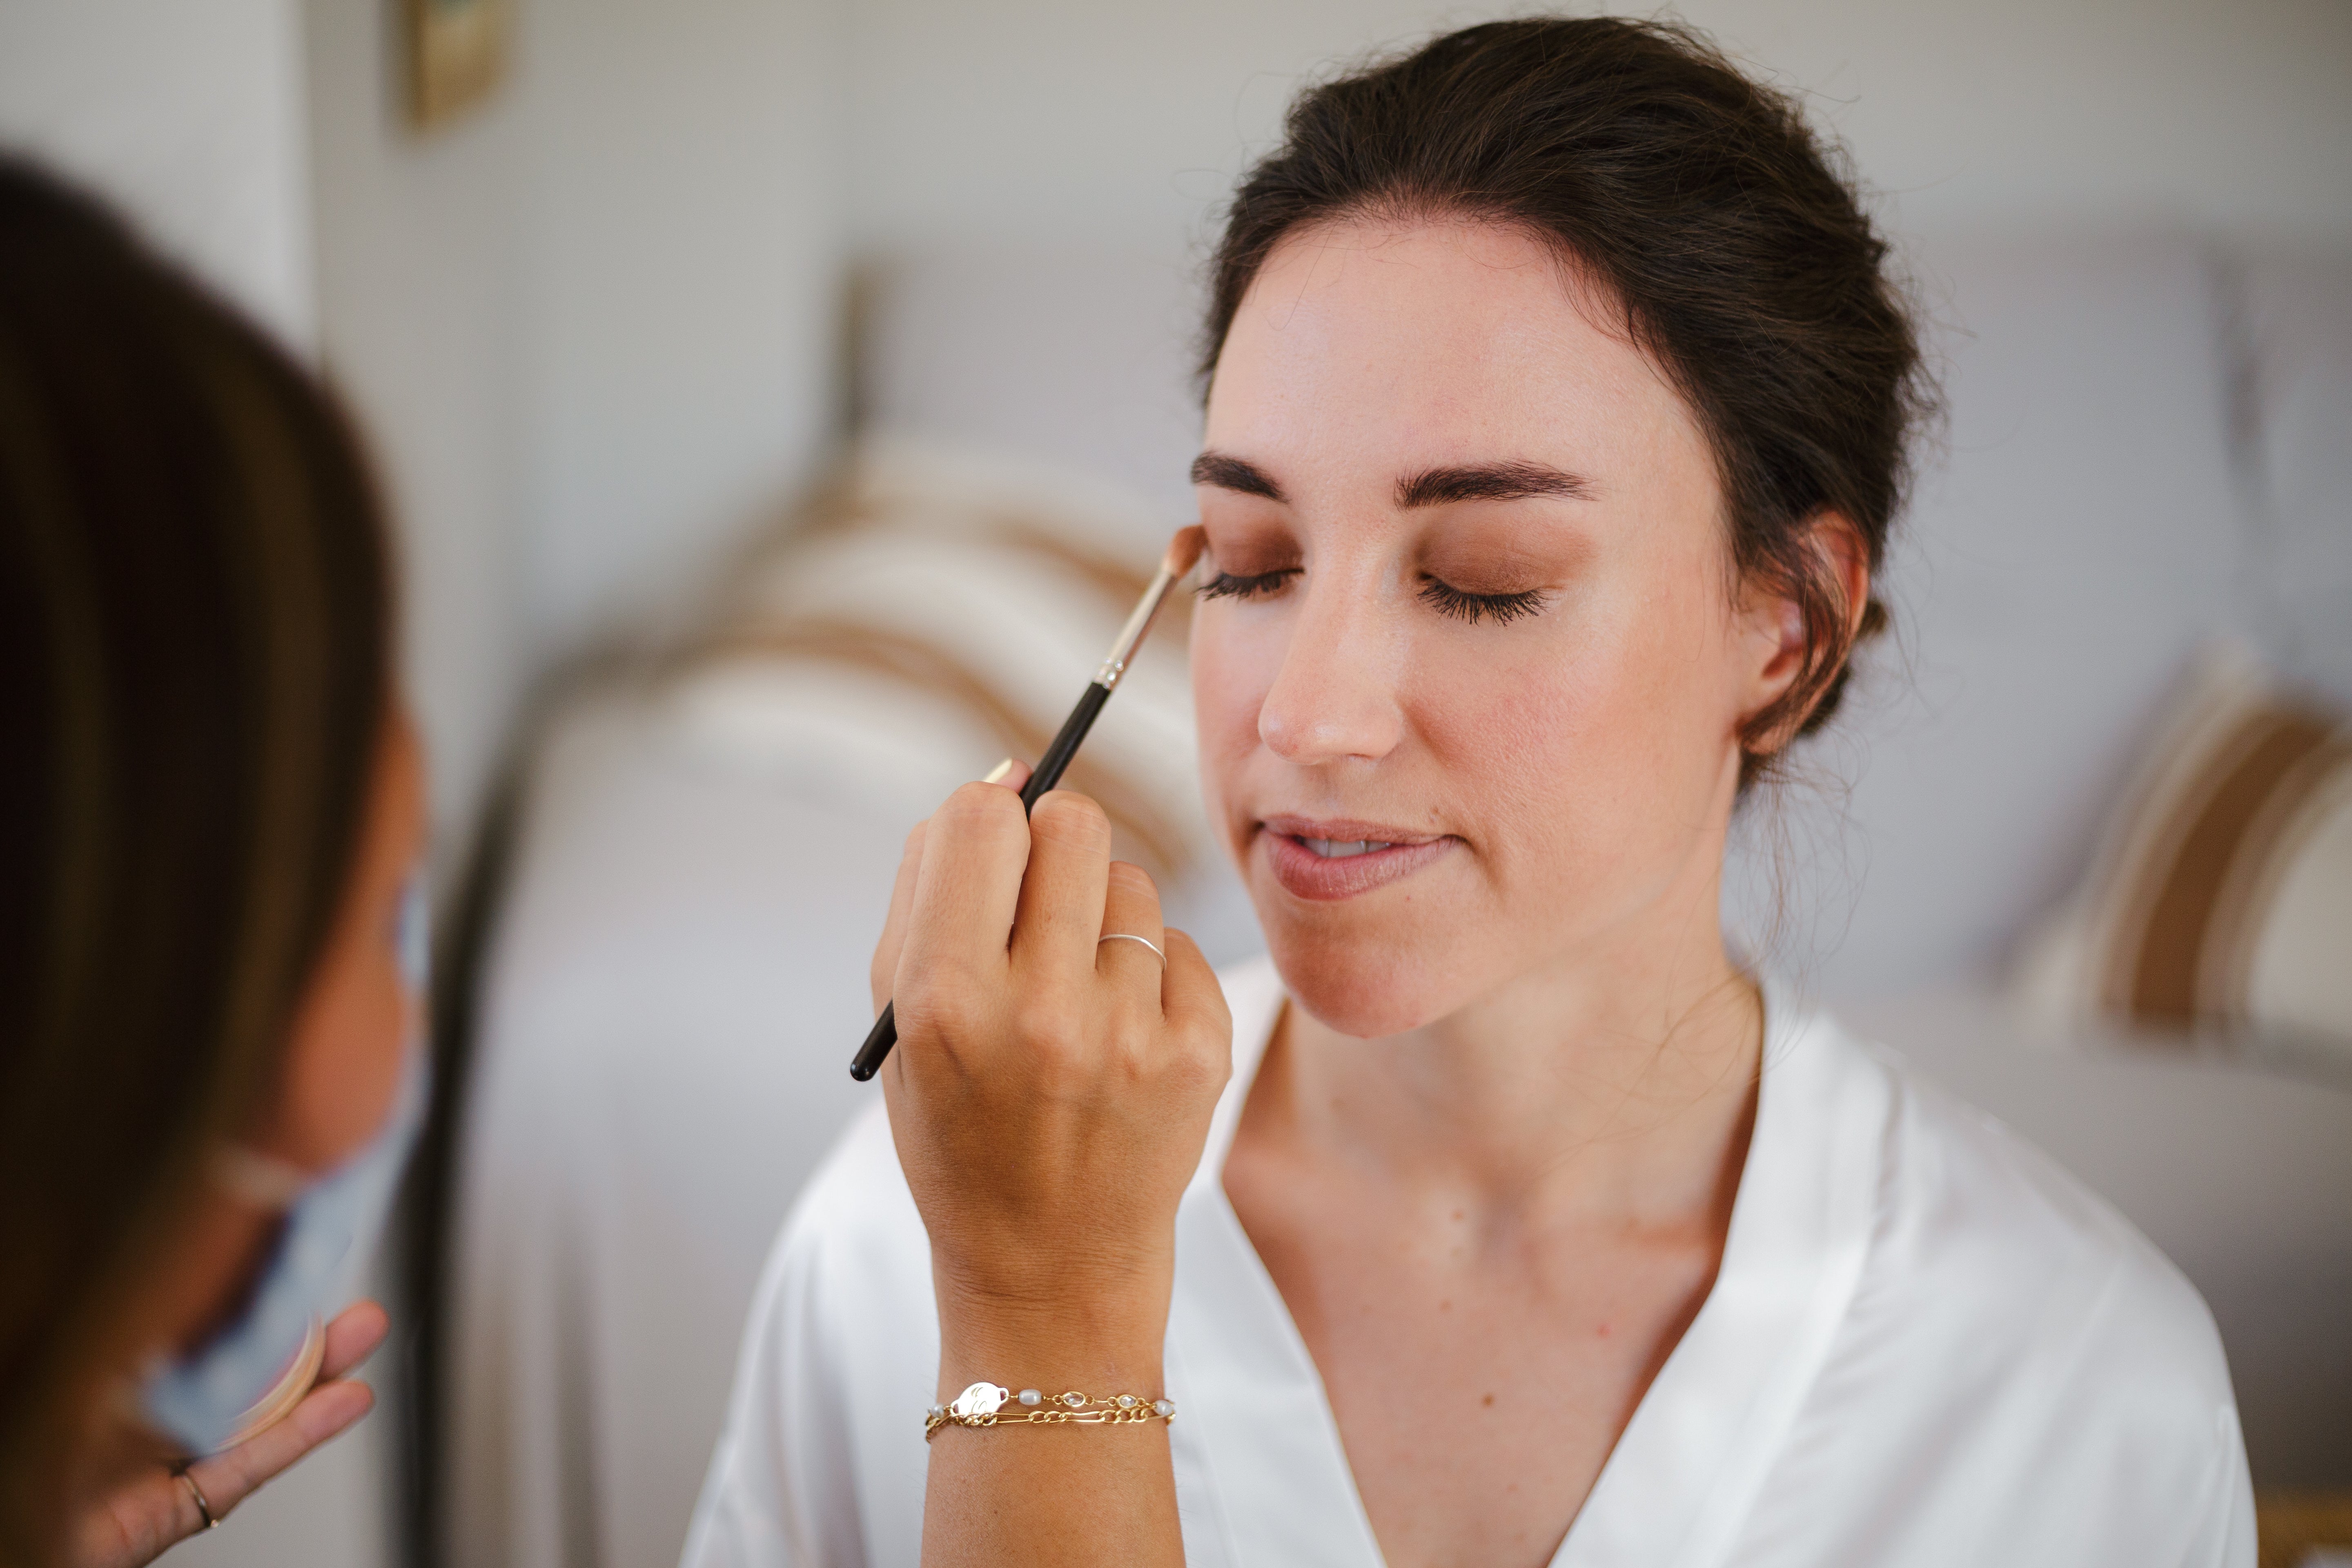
[1360,984]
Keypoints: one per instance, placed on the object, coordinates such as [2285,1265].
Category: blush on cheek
[1511,739]
[1577,767]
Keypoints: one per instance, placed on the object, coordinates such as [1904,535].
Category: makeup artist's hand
[1050,1093]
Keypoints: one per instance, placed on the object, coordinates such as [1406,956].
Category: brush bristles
[1184,551]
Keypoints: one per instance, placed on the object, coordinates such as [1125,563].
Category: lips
[1329,860]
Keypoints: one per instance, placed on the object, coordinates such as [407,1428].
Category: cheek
[1233,666]
[1596,738]
[1683,660]
[345,1066]
[1515,737]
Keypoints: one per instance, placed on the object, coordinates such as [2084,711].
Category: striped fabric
[2195,902]
[995,589]
[2220,907]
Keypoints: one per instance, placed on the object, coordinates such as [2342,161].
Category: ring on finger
[196,1495]
[1130,936]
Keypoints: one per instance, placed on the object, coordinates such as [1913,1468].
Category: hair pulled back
[1724,228]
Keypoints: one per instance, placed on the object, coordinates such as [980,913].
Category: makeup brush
[1184,551]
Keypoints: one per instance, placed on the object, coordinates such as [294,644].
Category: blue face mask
[259,1367]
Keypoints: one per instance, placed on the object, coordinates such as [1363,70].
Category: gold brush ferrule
[1132,634]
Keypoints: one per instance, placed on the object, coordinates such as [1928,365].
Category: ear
[1780,643]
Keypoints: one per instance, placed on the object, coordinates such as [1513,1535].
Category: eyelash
[1448,600]
[1256,585]
[1443,597]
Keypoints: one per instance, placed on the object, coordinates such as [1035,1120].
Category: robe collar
[1259,1458]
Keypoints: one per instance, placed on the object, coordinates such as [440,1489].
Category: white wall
[188,112]
[419,243]
[588,326]
[398,263]
[1022,117]
[684,242]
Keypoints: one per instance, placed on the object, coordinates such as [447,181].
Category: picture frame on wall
[456,56]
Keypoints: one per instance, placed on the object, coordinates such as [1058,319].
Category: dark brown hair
[195,664]
[1725,229]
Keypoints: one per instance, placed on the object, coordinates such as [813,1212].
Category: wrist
[1097,1341]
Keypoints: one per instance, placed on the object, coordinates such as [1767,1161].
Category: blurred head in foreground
[208,815]
[1556,411]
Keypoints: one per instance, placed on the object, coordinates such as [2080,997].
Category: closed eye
[1503,608]
[1250,585]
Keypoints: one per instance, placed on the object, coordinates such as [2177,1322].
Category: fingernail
[996,775]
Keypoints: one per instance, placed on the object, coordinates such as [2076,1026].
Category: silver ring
[1130,936]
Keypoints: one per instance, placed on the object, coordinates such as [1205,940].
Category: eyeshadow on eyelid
[1246,557]
[1505,569]
[1514,577]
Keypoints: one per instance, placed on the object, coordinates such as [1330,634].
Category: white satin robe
[1929,1347]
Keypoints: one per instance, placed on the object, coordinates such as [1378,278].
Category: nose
[1335,697]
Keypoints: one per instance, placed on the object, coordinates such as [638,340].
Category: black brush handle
[1057,760]
[885,1034]
[1048,773]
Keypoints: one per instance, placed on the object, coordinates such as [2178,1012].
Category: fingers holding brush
[952,964]
[1183,553]
[1062,892]
[882,975]
[1047,1111]
[1051,1083]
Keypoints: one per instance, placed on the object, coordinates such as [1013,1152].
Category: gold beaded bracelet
[986,1404]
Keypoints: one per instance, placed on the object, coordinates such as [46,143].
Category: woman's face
[353,1027]
[1474,607]
[350,1034]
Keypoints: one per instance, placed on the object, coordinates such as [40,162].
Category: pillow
[2220,909]
[945,600]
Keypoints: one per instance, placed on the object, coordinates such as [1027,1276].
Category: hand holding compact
[162,1508]
[1051,1090]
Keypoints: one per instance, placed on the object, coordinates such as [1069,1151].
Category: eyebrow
[1489,481]
[1432,487]
[1231,473]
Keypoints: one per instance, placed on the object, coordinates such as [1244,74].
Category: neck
[1616,1082]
